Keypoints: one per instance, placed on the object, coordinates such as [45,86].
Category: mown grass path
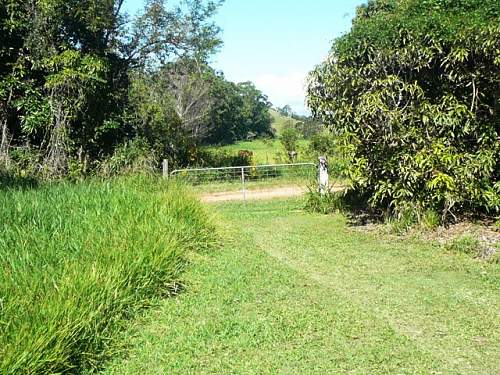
[298,293]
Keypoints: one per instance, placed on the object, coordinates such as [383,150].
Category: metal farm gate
[249,182]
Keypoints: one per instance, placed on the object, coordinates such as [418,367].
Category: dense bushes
[133,157]
[77,260]
[327,144]
[222,158]
[412,92]
[76,84]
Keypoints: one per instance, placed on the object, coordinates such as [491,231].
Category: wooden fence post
[164,165]
[243,183]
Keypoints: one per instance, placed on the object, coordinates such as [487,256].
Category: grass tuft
[78,260]
[328,203]
[465,244]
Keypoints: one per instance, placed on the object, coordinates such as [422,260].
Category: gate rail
[248,172]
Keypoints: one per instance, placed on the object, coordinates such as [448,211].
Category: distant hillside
[279,120]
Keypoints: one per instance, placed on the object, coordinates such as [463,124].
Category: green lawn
[298,293]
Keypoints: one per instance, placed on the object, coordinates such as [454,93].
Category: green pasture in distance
[266,151]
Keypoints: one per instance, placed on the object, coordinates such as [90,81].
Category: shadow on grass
[353,206]
[9,181]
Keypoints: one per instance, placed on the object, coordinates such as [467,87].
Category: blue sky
[275,43]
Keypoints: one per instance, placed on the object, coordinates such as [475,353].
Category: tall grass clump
[77,260]
[327,203]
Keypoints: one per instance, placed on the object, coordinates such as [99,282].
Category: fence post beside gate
[164,166]
[243,183]
[323,176]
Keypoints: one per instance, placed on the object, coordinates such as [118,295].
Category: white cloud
[282,89]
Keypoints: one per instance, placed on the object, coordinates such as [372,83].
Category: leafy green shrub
[322,144]
[222,158]
[466,244]
[132,157]
[25,161]
[77,260]
[412,91]
[289,139]
[327,144]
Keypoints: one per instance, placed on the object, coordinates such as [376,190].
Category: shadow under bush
[345,201]
[10,180]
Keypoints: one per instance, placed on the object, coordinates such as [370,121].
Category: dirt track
[281,192]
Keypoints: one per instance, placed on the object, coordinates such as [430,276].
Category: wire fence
[247,174]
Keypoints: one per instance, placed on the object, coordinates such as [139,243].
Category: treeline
[85,87]
[412,92]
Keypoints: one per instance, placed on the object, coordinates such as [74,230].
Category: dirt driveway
[261,194]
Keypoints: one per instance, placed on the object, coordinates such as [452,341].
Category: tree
[413,92]
[73,79]
[226,115]
[256,117]
[13,28]
[189,86]
[289,138]
[65,68]
[239,111]
[161,35]
[286,111]
[307,126]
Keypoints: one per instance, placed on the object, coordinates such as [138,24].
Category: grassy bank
[300,293]
[78,260]
[279,121]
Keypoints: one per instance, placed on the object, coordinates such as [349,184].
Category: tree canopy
[78,78]
[413,91]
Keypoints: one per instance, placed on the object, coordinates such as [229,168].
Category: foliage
[77,260]
[412,91]
[239,112]
[328,145]
[307,126]
[429,220]
[323,144]
[80,78]
[285,111]
[153,117]
[133,157]
[328,203]
[223,158]
[289,139]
